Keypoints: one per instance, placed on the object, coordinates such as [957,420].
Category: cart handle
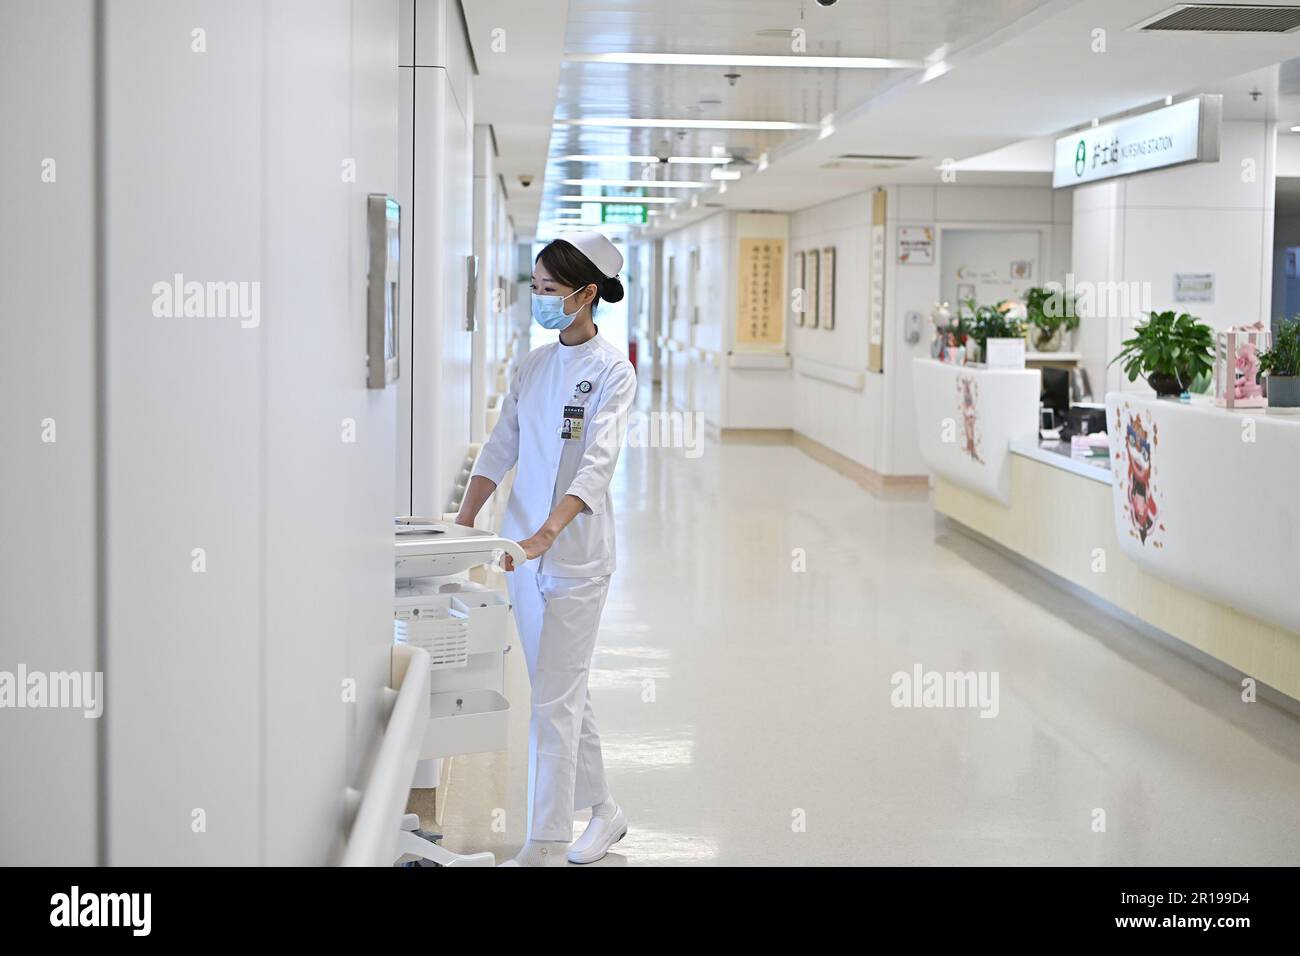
[512,548]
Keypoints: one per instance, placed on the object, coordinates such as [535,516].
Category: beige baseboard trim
[868,478]
[755,436]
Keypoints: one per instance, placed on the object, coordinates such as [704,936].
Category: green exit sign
[623,212]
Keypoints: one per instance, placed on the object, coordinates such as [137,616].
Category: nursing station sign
[1186,132]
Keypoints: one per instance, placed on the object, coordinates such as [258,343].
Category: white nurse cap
[599,250]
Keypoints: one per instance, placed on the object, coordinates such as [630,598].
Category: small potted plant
[1002,321]
[1052,314]
[1281,363]
[1170,350]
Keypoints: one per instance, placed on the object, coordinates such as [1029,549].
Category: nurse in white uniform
[562,424]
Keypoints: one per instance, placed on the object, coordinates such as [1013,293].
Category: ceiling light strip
[686,123]
[785,61]
[638,183]
[650,160]
[635,199]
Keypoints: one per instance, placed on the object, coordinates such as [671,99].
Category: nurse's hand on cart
[569,507]
[533,547]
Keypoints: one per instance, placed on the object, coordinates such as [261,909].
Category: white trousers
[557,619]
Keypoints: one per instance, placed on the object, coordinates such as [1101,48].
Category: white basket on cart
[430,623]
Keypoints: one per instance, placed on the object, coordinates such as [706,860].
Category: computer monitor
[1056,392]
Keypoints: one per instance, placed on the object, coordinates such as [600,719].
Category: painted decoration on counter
[967,419]
[1135,471]
[760,314]
[826,290]
[1022,269]
[915,245]
[800,299]
[1226,511]
[968,393]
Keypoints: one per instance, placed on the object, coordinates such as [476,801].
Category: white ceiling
[1001,72]
[518,47]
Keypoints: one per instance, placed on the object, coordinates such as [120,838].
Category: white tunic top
[550,467]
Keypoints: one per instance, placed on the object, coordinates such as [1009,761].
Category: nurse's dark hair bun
[611,290]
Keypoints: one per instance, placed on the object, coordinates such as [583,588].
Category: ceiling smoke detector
[1223,18]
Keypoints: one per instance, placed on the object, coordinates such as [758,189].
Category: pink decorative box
[1236,366]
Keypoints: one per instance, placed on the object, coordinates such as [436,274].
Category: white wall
[1206,217]
[223,693]
[701,261]
[47,371]
[695,319]
[841,417]
[642,287]
[437,195]
[494,242]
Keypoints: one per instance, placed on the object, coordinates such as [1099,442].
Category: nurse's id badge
[571,430]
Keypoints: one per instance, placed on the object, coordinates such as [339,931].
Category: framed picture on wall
[812,278]
[965,293]
[826,289]
[799,301]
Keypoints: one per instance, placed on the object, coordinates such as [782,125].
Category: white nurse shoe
[606,828]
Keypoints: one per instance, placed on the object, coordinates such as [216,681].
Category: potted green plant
[1170,350]
[1002,321]
[1281,363]
[1052,314]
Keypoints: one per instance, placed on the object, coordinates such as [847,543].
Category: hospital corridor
[761,434]
[708,608]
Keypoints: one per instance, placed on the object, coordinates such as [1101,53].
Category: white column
[1131,236]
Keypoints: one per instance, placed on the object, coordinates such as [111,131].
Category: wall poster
[1193,287]
[760,313]
[915,245]
[812,276]
[800,302]
[876,297]
[826,289]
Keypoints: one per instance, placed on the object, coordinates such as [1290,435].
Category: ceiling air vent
[1224,18]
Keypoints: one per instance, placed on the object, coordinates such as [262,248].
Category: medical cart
[465,629]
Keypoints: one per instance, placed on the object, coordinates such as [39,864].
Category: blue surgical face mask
[548,311]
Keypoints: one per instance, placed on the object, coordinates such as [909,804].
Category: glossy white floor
[745,706]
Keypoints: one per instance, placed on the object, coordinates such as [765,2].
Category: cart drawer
[466,722]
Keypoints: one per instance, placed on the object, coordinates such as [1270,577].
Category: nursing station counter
[1186,518]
